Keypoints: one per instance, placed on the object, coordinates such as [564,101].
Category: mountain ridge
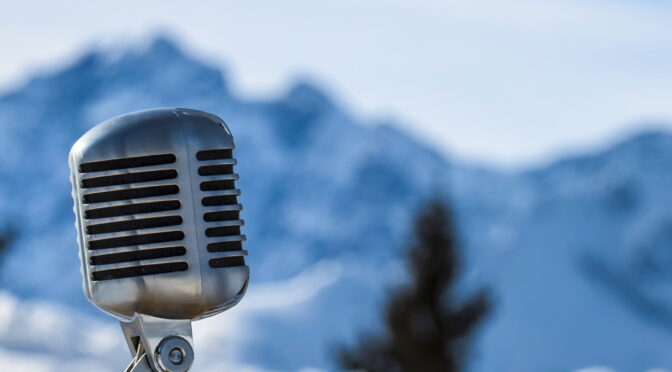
[321,186]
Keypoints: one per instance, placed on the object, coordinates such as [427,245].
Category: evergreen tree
[7,237]
[427,330]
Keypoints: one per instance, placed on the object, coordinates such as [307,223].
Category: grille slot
[222,231]
[221,216]
[225,246]
[144,223]
[129,272]
[146,254]
[127,194]
[133,240]
[210,201]
[214,154]
[217,169]
[218,185]
[227,201]
[133,162]
[223,262]
[129,209]
[128,178]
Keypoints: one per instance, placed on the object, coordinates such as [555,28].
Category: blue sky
[506,82]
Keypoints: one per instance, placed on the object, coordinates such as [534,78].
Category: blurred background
[542,126]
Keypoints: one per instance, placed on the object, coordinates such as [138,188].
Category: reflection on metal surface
[159,227]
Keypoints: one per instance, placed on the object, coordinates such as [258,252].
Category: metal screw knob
[174,354]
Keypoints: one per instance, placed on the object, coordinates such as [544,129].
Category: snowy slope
[587,279]
[576,254]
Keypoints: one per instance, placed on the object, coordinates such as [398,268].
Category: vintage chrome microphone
[158,227]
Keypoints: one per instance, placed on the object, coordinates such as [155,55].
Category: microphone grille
[151,221]
[221,214]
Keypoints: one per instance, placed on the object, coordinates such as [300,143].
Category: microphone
[158,223]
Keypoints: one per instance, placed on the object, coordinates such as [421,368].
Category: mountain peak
[652,145]
[298,112]
[161,46]
[307,96]
[654,136]
[164,45]
[162,66]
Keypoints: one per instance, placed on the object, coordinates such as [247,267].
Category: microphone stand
[171,340]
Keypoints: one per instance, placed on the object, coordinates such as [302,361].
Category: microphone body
[158,224]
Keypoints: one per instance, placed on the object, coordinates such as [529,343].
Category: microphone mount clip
[159,345]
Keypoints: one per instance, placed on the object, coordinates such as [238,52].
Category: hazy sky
[508,82]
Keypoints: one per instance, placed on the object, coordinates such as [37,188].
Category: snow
[575,253]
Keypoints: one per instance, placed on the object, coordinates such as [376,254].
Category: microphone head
[157,215]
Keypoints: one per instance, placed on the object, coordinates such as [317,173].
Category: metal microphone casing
[157,215]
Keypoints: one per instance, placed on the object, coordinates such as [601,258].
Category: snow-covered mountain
[576,254]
